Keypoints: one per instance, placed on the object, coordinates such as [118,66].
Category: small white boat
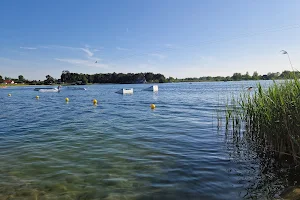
[125,91]
[49,90]
[153,88]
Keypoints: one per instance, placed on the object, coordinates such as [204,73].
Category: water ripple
[120,149]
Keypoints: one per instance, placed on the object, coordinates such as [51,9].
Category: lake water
[121,149]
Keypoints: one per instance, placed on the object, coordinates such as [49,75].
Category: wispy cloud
[28,48]
[59,47]
[88,60]
[157,55]
[122,49]
[87,51]
[83,63]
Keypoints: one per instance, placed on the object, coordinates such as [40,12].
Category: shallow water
[121,149]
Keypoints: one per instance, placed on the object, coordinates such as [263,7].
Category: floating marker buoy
[9,95]
[152,106]
[37,97]
[67,99]
[95,101]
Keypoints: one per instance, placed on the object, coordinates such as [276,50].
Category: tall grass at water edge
[269,117]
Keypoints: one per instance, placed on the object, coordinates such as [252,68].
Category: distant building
[8,82]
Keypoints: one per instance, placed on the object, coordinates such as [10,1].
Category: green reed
[270,117]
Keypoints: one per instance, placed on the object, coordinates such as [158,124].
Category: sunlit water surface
[121,149]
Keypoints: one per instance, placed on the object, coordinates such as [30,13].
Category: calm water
[121,149]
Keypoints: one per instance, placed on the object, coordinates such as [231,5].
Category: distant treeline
[149,77]
[240,77]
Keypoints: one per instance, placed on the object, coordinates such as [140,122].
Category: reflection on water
[268,175]
[121,149]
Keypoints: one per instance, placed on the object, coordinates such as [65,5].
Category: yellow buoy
[95,101]
[37,97]
[152,106]
[67,99]
[9,95]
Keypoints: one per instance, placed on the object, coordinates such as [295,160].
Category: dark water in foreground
[121,149]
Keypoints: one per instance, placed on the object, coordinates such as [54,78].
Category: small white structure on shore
[153,88]
[125,91]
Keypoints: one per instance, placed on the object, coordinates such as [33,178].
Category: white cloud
[28,48]
[122,49]
[87,51]
[58,47]
[80,62]
[88,61]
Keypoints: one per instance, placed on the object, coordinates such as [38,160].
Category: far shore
[23,85]
[43,85]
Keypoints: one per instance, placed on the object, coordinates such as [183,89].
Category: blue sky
[178,38]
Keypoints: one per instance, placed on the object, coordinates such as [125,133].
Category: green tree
[286,74]
[255,76]
[149,76]
[171,79]
[1,79]
[21,78]
[65,76]
[273,76]
[237,76]
[68,77]
[246,76]
[49,80]
[84,80]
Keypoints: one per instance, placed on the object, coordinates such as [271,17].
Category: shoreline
[3,86]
